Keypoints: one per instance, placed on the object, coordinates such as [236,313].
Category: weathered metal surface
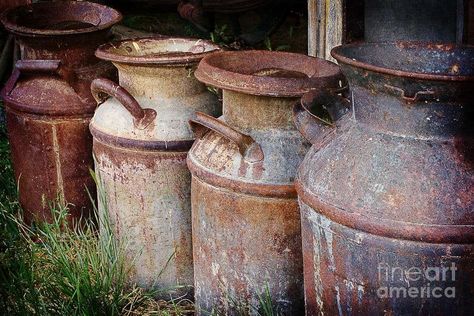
[246,226]
[141,139]
[48,102]
[387,196]
[6,4]
[387,21]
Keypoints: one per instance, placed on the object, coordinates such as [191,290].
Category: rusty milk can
[386,193]
[141,139]
[246,222]
[49,104]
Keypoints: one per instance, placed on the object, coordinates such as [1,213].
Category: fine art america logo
[416,282]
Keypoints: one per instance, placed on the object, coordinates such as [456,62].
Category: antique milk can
[141,139]
[49,104]
[386,192]
[246,222]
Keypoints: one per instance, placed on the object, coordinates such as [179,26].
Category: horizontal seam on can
[258,189]
[388,228]
[51,116]
[118,141]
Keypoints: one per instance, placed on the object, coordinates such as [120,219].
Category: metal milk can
[246,222]
[49,104]
[387,190]
[141,139]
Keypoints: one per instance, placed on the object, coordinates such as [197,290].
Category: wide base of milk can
[57,171]
[243,246]
[400,276]
[154,222]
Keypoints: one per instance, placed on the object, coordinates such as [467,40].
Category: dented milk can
[387,191]
[141,139]
[246,222]
[49,104]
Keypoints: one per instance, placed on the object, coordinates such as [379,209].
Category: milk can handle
[248,147]
[102,88]
[315,128]
[38,66]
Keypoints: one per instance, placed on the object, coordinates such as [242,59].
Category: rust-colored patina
[246,222]
[141,139]
[49,104]
[386,192]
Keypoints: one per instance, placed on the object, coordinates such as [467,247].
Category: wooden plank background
[325,26]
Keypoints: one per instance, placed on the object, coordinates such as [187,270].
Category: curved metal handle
[423,95]
[38,66]
[102,88]
[316,128]
[248,148]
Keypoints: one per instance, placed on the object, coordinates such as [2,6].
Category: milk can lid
[157,51]
[267,73]
[59,18]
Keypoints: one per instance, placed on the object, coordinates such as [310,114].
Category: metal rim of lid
[9,16]
[230,70]
[106,52]
[338,54]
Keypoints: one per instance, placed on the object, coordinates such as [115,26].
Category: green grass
[264,307]
[55,269]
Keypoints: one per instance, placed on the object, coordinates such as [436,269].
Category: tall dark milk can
[386,192]
[141,138]
[49,104]
[245,216]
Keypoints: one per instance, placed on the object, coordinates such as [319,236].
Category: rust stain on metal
[141,139]
[49,104]
[246,223]
[57,158]
[389,185]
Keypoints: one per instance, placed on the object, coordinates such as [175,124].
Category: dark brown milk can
[245,216]
[386,192]
[141,138]
[49,104]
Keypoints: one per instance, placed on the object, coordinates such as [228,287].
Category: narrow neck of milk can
[251,112]
[74,51]
[388,113]
[159,81]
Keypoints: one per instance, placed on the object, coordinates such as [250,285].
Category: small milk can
[49,104]
[246,222]
[141,139]
[387,191]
